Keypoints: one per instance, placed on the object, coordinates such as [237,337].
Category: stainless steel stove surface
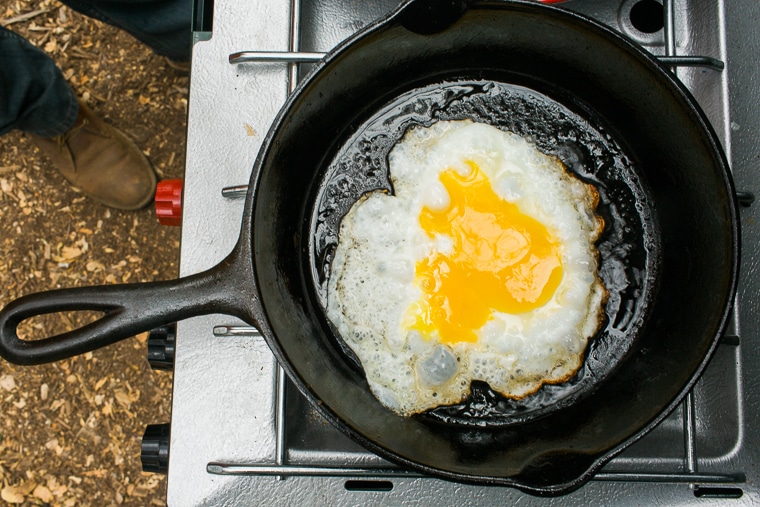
[232,409]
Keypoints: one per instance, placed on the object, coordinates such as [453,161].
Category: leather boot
[102,162]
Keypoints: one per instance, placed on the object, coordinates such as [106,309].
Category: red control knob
[169,202]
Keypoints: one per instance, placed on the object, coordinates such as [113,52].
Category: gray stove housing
[225,388]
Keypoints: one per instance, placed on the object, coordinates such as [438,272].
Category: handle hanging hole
[42,326]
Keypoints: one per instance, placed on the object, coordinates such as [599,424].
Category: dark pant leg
[162,25]
[34,96]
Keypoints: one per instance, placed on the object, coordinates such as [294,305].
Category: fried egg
[481,265]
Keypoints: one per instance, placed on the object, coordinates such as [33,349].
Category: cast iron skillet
[682,195]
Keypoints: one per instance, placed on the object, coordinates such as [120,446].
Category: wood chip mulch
[70,431]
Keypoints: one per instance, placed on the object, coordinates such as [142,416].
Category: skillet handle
[128,309]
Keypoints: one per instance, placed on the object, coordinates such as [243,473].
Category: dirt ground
[70,431]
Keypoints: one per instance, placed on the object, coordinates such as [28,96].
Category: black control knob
[161,347]
[154,452]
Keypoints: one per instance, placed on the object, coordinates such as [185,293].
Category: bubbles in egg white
[372,285]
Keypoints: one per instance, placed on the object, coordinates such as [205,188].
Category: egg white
[372,285]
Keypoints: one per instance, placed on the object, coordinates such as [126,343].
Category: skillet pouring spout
[128,309]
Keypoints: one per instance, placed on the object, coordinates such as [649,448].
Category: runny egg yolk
[501,260]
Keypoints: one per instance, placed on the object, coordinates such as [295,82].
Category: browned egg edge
[598,284]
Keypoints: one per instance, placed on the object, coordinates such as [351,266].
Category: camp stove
[241,434]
